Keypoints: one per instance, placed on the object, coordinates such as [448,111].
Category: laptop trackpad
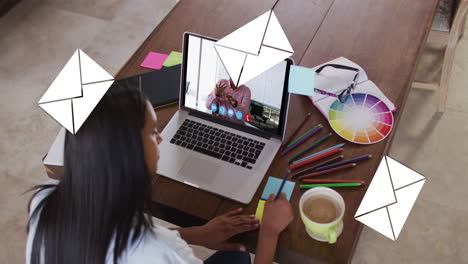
[199,171]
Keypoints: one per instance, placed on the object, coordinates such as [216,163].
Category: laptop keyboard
[218,143]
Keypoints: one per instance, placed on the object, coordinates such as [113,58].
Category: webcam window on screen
[209,89]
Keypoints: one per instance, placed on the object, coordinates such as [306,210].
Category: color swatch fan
[362,118]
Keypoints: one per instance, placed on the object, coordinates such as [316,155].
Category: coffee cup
[322,210]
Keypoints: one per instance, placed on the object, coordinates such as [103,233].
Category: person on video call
[227,94]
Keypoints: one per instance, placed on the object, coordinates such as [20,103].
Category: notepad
[173,59]
[301,80]
[273,186]
[161,87]
[154,60]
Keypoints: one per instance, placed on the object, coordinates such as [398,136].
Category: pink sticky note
[154,60]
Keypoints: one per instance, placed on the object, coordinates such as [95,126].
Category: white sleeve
[164,246]
[33,222]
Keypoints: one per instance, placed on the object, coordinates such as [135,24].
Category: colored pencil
[315,158]
[318,165]
[332,181]
[309,134]
[318,153]
[308,186]
[282,184]
[343,163]
[305,134]
[348,166]
[297,130]
[316,143]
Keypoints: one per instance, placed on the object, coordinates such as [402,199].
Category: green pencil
[305,134]
[316,143]
[350,184]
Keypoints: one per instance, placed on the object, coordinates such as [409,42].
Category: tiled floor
[436,146]
[37,37]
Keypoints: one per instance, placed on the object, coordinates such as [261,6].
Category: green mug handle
[332,235]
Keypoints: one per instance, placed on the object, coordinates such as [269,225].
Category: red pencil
[347,166]
[318,157]
[332,181]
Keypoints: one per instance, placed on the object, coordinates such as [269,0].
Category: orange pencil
[347,166]
[315,158]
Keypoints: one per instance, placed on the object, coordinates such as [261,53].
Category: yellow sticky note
[259,212]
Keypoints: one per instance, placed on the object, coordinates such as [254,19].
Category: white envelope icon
[390,197]
[253,48]
[76,91]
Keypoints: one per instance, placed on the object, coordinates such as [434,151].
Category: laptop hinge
[227,123]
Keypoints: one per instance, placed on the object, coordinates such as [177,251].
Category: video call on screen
[256,103]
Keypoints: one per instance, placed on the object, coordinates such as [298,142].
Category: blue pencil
[282,184]
[318,153]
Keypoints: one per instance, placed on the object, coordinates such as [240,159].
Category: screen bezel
[204,115]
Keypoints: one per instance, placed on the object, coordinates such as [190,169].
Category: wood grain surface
[385,37]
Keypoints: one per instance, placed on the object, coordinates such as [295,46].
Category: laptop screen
[257,103]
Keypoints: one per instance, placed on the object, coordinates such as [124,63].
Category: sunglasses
[343,95]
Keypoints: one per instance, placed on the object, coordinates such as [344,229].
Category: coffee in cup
[322,210]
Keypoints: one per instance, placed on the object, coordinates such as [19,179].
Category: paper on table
[301,80]
[273,186]
[259,212]
[174,58]
[154,60]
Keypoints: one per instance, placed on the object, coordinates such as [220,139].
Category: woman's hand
[219,90]
[277,215]
[215,233]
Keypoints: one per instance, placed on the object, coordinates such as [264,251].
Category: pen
[282,184]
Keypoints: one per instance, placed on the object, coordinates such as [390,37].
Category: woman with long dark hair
[97,212]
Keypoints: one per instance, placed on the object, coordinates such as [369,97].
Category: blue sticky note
[301,80]
[273,186]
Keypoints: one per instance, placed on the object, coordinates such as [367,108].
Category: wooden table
[385,37]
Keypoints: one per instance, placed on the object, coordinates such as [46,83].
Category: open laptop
[223,142]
